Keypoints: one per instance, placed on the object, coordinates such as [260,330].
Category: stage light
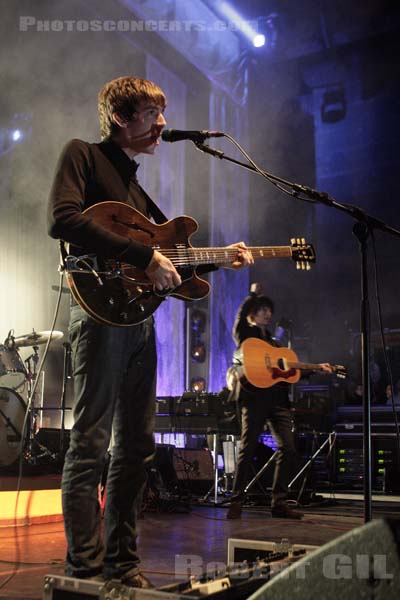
[198,385]
[17,129]
[240,24]
[198,321]
[259,40]
[199,353]
[16,135]
[198,326]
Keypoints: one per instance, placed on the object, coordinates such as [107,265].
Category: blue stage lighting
[238,23]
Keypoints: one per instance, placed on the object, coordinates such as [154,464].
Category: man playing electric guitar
[114,366]
[258,405]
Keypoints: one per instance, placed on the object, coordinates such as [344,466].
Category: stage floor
[166,539]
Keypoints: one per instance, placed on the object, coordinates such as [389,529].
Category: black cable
[266,176]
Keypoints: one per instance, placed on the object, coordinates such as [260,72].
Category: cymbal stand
[10,424]
[31,367]
[33,450]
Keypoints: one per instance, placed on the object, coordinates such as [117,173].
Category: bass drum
[12,414]
[12,370]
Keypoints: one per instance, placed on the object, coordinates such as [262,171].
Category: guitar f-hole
[133,226]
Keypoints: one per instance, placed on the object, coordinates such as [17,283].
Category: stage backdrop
[228,223]
[163,177]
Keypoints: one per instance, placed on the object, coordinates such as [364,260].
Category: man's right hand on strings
[162,272]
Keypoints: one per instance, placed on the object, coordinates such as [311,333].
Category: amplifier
[385,467]
[357,427]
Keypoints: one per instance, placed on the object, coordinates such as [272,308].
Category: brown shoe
[235,510]
[137,581]
[283,511]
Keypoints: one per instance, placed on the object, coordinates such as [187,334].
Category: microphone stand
[362,230]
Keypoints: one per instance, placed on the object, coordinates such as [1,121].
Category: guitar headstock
[340,371]
[302,253]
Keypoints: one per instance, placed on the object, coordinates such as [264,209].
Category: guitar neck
[304,366]
[217,256]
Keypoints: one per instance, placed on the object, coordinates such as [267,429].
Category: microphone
[176,135]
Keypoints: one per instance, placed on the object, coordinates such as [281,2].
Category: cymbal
[37,337]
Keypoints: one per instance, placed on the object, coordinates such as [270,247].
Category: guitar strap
[155,212]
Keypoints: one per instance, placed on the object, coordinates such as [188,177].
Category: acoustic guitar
[265,365]
[117,293]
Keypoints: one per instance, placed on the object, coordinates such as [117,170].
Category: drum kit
[16,377]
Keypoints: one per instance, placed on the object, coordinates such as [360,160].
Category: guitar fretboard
[304,366]
[205,256]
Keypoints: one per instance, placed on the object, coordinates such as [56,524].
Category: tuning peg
[298,265]
[303,241]
[292,241]
[308,266]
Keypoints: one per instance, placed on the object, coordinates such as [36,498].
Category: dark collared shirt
[87,174]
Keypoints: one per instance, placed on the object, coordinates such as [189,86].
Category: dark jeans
[271,405]
[114,387]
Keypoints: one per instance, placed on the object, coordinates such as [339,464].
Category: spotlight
[198,321]
[199,353]
[198,384]
[17,129]
[242,24]
[16,135]
[197,346]
[259,40]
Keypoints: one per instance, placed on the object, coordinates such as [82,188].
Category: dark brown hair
[123,96]
[258,303]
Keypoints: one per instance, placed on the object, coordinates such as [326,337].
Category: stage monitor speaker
[363,563]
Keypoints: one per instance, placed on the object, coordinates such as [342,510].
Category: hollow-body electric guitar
[118,293]
[264,365]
